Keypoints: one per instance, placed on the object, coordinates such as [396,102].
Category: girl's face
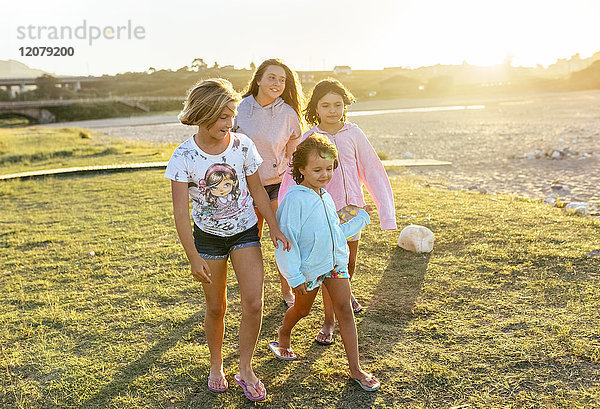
[317,172]
[272,83]
[330,109]
[223,188]
[219,129]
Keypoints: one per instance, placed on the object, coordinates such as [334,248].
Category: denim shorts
[213,247]
[273,190]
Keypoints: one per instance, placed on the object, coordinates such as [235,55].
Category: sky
[307,35]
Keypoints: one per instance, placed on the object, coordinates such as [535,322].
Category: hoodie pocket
[321,249]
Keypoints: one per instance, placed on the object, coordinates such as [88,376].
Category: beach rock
[550,200]
[408,155]
[560,190]
[417,239]
[581,208]
[594,253]
[556,154]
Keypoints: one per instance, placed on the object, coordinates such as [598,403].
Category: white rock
[556,155]
[538,154]
[530,156]
[561,140]
[581,208]
[92,253]
[408,155]
[418,239]
[550,199]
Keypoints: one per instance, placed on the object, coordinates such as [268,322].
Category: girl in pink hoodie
[270,115]
[358,165]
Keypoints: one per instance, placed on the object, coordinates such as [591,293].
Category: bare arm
[263,203]
[181,213]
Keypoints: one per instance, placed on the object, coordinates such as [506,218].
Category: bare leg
[353,249]
[329,321]
[248,267]
[295,313]
[339,289]
[286,291]
[215,295]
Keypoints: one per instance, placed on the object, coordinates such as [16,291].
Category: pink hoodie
[358,163]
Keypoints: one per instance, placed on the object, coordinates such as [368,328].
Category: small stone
[581,208]
[560,190]
[550,199]
[556,155]
[594,253]
[408,155]
[92,253]
[530,156]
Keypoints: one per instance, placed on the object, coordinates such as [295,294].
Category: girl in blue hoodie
[271,114]
[318,253]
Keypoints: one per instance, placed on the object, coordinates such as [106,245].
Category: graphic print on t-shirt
[222,195]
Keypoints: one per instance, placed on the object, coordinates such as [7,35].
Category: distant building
[307,77]
[342,69]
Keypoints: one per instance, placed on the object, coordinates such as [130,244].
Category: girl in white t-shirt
[218,169]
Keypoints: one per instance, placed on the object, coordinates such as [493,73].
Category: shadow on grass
[398,288]
[385,319]
[142,365]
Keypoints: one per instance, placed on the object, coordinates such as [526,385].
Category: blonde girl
[211,106]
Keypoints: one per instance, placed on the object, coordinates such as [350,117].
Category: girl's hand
[300,290]
[276,234]
[368,209]
[200,270]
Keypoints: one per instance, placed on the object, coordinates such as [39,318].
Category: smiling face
[219,130]
[330,109]
[224,187]
[271,85]
[317,172]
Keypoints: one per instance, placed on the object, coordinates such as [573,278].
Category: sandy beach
[492,145]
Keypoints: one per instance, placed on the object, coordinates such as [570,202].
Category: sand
[487,146]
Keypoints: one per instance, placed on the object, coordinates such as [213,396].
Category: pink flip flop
[217,390]
[256,387]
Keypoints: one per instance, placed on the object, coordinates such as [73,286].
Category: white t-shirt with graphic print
[221,201]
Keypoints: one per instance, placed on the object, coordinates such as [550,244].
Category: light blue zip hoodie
[318,240]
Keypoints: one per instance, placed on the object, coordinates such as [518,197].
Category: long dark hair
[292,93]
[323,88]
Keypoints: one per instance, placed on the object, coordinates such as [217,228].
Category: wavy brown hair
[323,88]
[316,144]
[292,93]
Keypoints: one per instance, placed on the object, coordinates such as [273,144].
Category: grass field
[98,309]
[36,148]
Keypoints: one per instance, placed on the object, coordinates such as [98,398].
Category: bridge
[36,112]
[20,83]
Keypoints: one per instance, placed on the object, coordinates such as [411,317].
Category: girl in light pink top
[358,165]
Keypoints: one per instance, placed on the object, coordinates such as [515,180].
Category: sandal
[217,390]
[329,338]
[356,307]
[256,387]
